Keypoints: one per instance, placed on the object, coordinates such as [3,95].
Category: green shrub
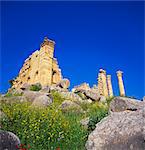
[11,94]
[35,87]
[50,128]
[96,113]
[8,95]
[57,98]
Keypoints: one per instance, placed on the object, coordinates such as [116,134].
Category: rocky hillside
[36,117]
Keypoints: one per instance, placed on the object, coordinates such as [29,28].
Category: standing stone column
[120,83]
[109,83]
[100,84]
[104,82]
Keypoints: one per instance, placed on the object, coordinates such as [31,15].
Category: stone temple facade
[40,67]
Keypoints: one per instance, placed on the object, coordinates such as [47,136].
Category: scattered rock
[69,106]
[81,87]
[84,122]
[13,99]
[92,95]
[120,130]
[42,101]
[82,95]
[31,95]
[45,89]
[89,101]
[102,99]
[123,103]
[8,140]
[95,89]
[64,83]
[58,89]
[70,96]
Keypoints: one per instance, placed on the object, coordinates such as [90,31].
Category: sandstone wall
[40,67]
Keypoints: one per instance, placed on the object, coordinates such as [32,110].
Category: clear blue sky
[88,36]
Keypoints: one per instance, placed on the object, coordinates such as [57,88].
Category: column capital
[109,76]
[102,71]
[119,73]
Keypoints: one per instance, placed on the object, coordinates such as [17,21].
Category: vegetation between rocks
[50,128]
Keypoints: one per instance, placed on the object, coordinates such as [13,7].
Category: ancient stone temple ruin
[105,85]
[40,67]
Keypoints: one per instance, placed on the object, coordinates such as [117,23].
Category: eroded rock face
[121,130]
[25,86]
[68,106]
[70,96]
[123,103]
[42,101]
[45,89]
[8,141]
[81,87]
[13,99]
[31,95]
[92,95]
[64,83]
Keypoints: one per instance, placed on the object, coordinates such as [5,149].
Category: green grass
[10,94]
[50,128]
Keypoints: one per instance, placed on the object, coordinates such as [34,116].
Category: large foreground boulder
[124,130]
[8,141]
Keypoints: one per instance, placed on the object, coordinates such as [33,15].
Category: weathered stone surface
[13,99]
[25,86]
[41,67]
[58,89]
[45,89]
[123,103]
[70,96]
[42,101]
[119,131]
[92,95]
[81,87]
[8,141]
[31,95]
[64,83]
[15,91]
[68,106]
[102,99]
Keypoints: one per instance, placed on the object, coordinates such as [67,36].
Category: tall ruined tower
[46,61]
[40,67]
